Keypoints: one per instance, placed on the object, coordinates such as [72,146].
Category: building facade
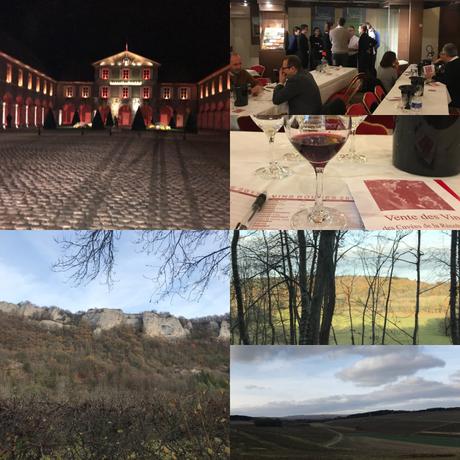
[25,93]
[122,83]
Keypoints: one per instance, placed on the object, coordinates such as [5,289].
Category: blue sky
[27,257]
[309,380]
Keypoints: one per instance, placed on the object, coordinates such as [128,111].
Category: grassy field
[388,437]
[433,323]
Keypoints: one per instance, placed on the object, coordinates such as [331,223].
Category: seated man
[451,76]
[298,88]
[241,77]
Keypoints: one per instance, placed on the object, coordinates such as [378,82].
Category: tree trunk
[238,294]
[304,299]
[323,277]
[453,289]
[417,294]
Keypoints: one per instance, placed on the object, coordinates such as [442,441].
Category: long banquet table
[328,83]
[436,99]
[249,151]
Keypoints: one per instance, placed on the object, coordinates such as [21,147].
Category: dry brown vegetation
[68,394]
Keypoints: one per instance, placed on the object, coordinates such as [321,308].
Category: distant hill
[330,417]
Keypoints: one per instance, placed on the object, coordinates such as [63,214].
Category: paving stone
[64,180]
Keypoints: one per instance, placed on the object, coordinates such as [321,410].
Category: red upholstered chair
[246,124]
[371,128]
[262,80]
[354,86]
[356,109]
[370,101]
[379,92]
[386,120]
[260,69]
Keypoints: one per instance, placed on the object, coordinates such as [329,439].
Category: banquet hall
[421,35]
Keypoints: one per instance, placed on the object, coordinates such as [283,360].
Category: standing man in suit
[451,75]
[339,39]
[298,88]
[303,51]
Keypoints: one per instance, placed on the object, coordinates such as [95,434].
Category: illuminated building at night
[122,83]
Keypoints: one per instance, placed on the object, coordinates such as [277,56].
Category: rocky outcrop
[151,324]
[155,325]
[224,331]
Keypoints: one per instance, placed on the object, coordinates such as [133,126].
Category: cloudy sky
[27,257]
[311,380]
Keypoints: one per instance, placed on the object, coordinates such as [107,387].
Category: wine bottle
[427,145]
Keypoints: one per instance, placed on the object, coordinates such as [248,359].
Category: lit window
[146,74]
[29,83]
[183,93]
[228,80]
[85,92]
[51,89]
[105,74]
[9,73]
[201,92]
[146,93]
[125,74]
[37,85]
[221,86]
[20,77]
[124,92]
[69,91]
[105,92]
[166,93]
[206,92]
[45,87]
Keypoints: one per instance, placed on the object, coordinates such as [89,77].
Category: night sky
[190,38]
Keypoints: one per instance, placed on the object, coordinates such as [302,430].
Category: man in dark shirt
[303,50]
[298,88]
[241,77]
[451,75]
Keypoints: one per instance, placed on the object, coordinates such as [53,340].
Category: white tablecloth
[436,100]
[328,84]
[248,151]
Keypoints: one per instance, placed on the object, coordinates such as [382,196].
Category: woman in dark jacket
[317,46]
[327,44]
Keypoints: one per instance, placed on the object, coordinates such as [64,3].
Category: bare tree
[184,262]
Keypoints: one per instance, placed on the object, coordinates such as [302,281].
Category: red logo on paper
[399,195]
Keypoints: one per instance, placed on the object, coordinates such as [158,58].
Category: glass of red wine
[318,138]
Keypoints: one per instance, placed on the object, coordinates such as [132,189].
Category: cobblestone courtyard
[65,180]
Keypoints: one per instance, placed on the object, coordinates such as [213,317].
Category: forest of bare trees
[345,287]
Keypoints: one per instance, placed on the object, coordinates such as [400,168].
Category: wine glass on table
[318,138]
[351,154]
[270,124]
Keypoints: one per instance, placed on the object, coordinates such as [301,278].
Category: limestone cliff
[150,324]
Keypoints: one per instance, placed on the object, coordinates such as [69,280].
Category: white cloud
[410,393]
[379,370]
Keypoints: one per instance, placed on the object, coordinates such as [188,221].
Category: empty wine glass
[270,124]
[318,138]
[351,153]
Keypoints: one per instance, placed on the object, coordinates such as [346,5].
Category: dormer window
[146,74]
